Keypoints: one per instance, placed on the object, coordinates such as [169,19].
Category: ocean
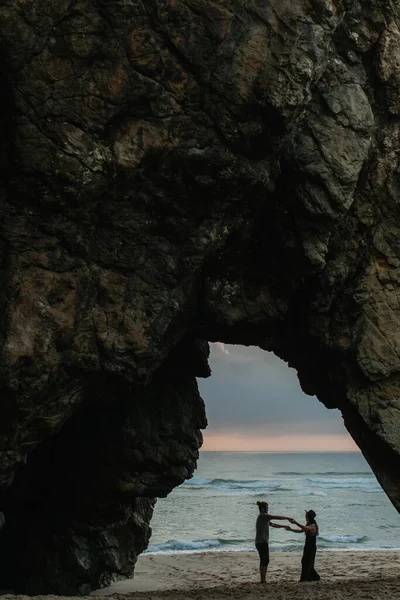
[216,510]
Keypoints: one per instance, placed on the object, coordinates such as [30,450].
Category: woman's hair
[262,506]
[310,518]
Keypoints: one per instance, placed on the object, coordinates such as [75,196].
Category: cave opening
[266,439]
[87,493]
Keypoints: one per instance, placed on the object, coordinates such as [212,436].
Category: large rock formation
[175,172]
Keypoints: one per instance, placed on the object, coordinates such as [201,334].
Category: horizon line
[355,451]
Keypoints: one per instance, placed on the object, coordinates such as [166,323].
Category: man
[262,536]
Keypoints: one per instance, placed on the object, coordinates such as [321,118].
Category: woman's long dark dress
[308,573]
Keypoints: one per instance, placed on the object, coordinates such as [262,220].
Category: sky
[254,402]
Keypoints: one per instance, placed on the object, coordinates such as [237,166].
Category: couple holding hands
[263,523]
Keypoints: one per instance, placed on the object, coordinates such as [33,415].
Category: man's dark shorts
[263,551]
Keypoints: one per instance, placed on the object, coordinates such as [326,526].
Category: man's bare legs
[263,573]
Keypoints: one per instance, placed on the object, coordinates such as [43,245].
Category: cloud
[221,347]
[236,355]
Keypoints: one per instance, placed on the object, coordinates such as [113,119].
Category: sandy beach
[234,575]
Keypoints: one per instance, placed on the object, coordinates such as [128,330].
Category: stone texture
[177,172]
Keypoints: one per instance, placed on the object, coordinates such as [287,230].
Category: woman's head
[262,506]
[310,516]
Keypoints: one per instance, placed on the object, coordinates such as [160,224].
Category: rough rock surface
[175,172]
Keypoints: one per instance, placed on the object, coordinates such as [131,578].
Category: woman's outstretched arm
[303,528]
[294,530]
[294,522]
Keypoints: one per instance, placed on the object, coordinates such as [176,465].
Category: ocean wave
[326,473]
[243,483]
[343,539]
[258,486]
[328,542]
[359,549]
[362,484]
[309,493]
[197,481]
[261,490]
[325,543]
[286,547]
[175,546]
[252,485]
[340,480]
[218,545]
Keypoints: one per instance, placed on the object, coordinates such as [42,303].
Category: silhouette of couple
[263,523]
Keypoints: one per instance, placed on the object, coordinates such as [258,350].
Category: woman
[308,573]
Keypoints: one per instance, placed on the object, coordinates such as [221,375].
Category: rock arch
[175,173]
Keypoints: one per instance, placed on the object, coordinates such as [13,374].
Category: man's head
[262,506]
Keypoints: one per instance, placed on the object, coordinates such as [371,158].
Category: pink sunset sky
[254,403]
[284,443]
